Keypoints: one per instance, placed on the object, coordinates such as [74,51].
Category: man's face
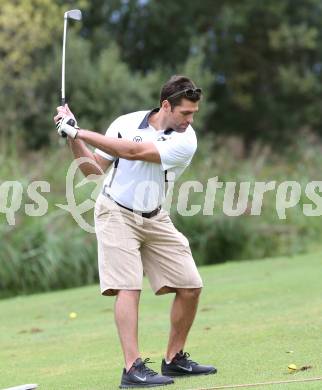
[181,116]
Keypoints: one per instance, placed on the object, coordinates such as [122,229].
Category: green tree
[259,62]
[268,61]
[28,29]
[264,56]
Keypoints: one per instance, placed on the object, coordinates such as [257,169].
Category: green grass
[250,315]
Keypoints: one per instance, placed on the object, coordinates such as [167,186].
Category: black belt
[144,215]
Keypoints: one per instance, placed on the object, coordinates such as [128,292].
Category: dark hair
[175,84]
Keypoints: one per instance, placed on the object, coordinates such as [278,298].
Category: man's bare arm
[129,150]
[99,165]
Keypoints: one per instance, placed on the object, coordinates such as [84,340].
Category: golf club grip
[62,103]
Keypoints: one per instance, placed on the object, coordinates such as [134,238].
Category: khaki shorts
[129,245]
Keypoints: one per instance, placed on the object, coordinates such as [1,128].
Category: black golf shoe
[180,365]
[140,375]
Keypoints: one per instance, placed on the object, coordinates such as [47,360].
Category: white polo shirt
[141,185]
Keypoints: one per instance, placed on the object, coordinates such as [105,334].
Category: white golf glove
[67,126]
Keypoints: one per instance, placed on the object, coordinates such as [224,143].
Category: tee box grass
[254,319]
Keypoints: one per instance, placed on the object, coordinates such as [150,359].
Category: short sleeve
[112,131]
[176,151]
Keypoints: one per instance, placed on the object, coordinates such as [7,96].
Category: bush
[53,252]
[42,257]
[219,237]
[49,252]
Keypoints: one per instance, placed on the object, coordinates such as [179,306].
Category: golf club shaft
[63,98]
[76,15]
[260,384]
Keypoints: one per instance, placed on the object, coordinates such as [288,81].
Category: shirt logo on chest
[137,138]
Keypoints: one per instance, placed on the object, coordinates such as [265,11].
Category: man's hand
[62,113]
[67,125]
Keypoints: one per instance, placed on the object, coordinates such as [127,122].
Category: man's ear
[166,106]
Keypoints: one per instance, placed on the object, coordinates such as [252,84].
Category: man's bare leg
[183,312]
[126,318]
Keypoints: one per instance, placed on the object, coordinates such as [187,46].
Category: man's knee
[128,295]
[189,293]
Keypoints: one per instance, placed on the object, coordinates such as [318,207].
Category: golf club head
[74,14]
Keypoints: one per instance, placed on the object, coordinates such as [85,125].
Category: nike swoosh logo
[141,379]
[185,368]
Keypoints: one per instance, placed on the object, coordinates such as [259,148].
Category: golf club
[23,387]
[74,14]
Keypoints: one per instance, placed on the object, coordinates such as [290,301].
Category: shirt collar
[145,122]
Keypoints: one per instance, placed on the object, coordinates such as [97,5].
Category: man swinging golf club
[146,148]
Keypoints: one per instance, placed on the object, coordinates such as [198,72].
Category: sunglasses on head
[189,93]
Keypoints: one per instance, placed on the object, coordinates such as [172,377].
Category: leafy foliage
[27,31]
[264,57]
[262,62]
